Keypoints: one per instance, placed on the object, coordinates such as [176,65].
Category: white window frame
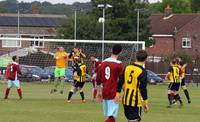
[34,42]
[187,41]
[5,42]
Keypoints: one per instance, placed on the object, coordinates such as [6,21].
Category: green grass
[39,106]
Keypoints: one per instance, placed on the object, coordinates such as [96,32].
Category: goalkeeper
[61,58]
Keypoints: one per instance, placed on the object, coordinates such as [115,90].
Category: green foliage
[120,22]
[11,6]
[195,5]
[184,54]
[178,6]
[87,27]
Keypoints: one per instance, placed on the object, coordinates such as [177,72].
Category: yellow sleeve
[55,55]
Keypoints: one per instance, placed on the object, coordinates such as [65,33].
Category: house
[174,32]
[28,26]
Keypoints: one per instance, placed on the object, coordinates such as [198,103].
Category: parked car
[33,73]
[153,78]
[68,73]
[50,71]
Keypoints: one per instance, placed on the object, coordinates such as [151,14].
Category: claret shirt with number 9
[108,75]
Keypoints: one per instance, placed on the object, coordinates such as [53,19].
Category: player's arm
[78,70]
[82,54]
[56,56]
[143,90]
[168,73]
[71,54]
[75,72]
[99,82]
[119,87]
[184,66]
[18,70]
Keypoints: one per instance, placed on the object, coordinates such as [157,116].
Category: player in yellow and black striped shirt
[174,76]
[134,83]
[79,80]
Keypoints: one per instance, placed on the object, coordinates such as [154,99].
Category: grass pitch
[40,106]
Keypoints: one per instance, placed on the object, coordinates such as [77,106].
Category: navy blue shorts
[78,84]
[183,82]
[133,113]
[174,86]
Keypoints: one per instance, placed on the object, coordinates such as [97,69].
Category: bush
[187,56]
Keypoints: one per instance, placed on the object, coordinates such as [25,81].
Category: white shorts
[110,108]
[12,83]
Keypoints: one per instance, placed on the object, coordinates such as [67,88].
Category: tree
[120,22]
[178,6]
[87,27]
[195,4]
[12,6]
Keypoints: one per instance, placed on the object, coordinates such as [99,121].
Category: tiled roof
[161,25]
[32,20]
[29,30]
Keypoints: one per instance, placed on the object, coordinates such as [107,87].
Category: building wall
[163,46]
[24,44]
[191,30]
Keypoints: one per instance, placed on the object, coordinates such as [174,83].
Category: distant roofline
[33,15]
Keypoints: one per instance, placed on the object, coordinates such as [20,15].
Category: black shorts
[133,113]
[78,84]
[174,86]
[183,82]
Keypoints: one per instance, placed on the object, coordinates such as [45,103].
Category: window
[186,43]
[38,44]
[11,43]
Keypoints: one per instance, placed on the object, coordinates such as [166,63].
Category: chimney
[168,11]
[35,9]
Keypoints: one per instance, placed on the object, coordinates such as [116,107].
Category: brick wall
[163,46]
[191,30]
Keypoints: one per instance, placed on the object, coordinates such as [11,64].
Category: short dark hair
[175,61]
[141,55]
[116,50]
[14,57]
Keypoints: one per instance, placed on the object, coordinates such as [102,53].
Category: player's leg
[73,90]
[10,85]
[178,98]
[132,114]
[184,88]
[19,90]
[62,80]
[81,91]
[56,80]
[176,94]
[55,85]
[94,89]
[170,94]
[110,110]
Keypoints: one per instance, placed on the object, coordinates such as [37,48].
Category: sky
[67,1]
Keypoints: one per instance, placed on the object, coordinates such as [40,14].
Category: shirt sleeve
[170,69]
[99,75]
[18,70]
[78,70]
[120,81]
[55,55]
[143,84]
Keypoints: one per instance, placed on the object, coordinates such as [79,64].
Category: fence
[161,68]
